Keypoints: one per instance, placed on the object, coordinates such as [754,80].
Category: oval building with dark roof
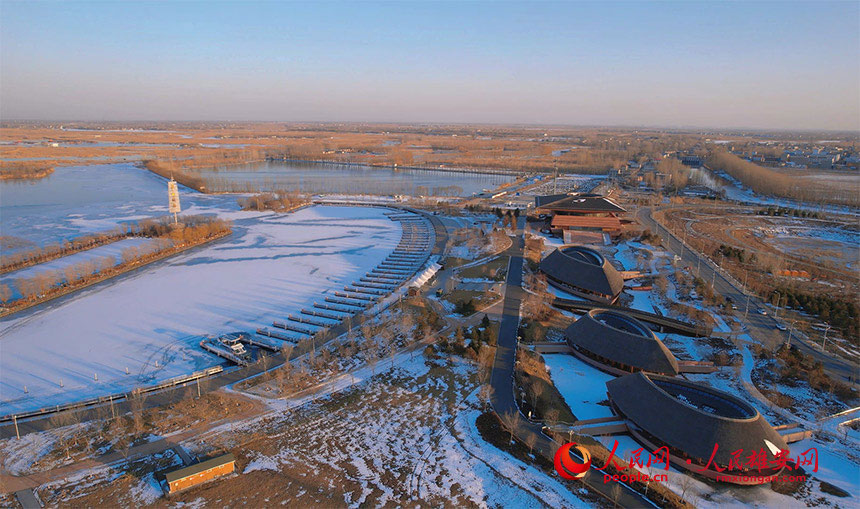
[583,272]
[619,344]
[689,419]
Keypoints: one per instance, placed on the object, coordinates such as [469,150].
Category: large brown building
[581,218]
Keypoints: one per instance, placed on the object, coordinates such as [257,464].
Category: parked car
[762,311]
[781,326]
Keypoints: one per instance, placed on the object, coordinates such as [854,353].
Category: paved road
[174,394]
[759,326]
[502,378]
[663,323]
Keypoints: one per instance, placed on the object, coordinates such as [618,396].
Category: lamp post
[790,328]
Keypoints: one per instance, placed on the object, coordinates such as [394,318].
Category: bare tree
[5,293]
[136,403]
[551,417]
[510,420]
[535,393]
[371,355]
[686,484]
[485,395]
[616,494]
[531,441]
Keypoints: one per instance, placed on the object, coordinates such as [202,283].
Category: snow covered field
[581,385]
[151,321]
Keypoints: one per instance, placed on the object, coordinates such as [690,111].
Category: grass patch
[462,299]
[494,269]
[542,398]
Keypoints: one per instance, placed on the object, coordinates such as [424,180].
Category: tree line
[278,201]
[152,228]
[194,230]
[841,313]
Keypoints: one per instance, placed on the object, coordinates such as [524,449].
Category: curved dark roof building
[689,418]
[583,272]
[619,344]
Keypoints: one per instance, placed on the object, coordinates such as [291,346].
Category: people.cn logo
[565,464]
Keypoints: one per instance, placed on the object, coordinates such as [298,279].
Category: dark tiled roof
[540,201]
[196,468]
[703,418]
[621,338]
[574,267]
[578,202]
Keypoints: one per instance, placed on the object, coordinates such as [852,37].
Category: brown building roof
[693,417]
[583,268]
[622,339]
[586,222]
[180,473]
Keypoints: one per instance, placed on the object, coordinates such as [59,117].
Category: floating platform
[294,328]
[277,335]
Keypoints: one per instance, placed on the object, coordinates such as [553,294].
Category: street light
[790,327]
[778,297]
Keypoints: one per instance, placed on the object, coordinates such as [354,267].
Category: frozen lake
[349,179]
[76,200]
[151,321]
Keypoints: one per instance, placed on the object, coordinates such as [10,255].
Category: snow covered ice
[151,321]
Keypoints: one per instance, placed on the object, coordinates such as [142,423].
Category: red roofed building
[581,218]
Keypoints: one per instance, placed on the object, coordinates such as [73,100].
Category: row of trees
[840,312]
[786,211]
[196,229]
[771,182]
[280,200]
[174,170]
[735,253]
[25,170]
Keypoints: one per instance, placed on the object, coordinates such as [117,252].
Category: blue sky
[726,64]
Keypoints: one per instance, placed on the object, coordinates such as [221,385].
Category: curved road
[758,326]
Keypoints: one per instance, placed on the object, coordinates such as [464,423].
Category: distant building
[692,161]
[583,272]
[702,427]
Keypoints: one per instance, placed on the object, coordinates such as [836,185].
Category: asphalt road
[760,327]
[502,379]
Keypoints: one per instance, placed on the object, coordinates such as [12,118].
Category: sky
[766,65]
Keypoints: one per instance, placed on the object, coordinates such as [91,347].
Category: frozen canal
[151,321]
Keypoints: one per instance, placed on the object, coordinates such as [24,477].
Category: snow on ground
[551,492]
[112,250]
[402,437]
[581,385]
[151,321]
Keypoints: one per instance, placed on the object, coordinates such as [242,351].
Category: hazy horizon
[786,66]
